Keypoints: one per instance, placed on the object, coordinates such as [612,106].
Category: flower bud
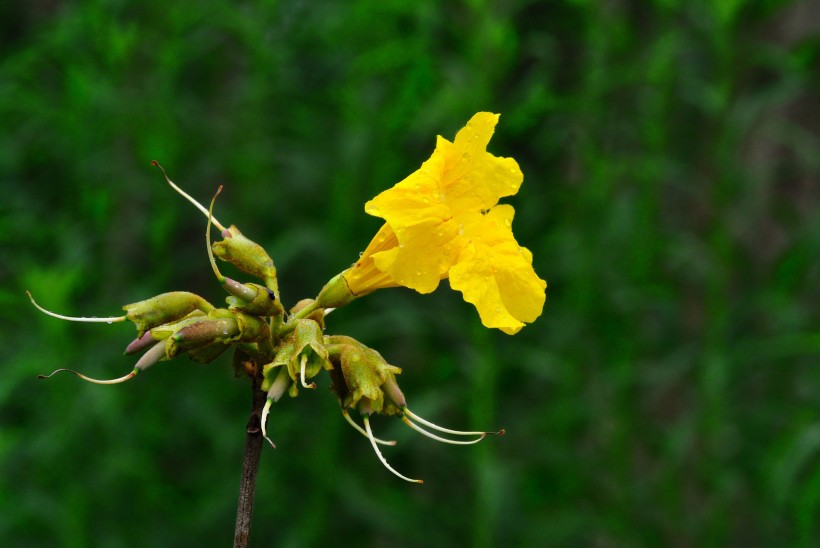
[164,308]
[257,300]
[246,255]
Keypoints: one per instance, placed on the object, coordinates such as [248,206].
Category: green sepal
[305,341]
[162,332]
[163,309]
[202,333]
[251,328]
[335,293]
[269,372]
[361,373]
[209,353]
[264,303]
[247,256]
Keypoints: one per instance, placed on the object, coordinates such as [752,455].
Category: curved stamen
[379,454]
[352,423]
[302,372]
[231,286]
[265,411]
[130,375]
[429,424]
[72,318]
[220,278]
[421,430]
[277,389]
[185,195]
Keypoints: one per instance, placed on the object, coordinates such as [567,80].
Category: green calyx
[302,352]
[163,309]
[335,293]
[263,302]
[247,256]
[361,375]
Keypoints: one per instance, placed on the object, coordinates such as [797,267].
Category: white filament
[352,423]
[186,196]
[265,411]
[302,365]
[421,430]
[72,318]
[379,454]
[429,424]
[124,378]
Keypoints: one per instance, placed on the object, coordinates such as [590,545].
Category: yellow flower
[444,221]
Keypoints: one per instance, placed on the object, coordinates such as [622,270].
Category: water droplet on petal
[507,222]
[109,322]
[418,272]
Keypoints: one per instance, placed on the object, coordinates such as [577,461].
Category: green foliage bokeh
[669,394]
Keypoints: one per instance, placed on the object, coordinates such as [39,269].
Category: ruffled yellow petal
[495,274]
[503,287]
[474,179]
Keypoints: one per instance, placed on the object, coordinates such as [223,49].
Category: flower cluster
[443,221]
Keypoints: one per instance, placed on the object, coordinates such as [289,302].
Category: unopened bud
[164,308]
[246,255]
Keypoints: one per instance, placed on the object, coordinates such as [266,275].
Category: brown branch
[250,466]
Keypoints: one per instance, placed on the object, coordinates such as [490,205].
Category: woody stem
[250,466]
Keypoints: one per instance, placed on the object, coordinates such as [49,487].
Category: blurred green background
[669,394]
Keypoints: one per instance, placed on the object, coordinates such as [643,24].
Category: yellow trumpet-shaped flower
[444,221]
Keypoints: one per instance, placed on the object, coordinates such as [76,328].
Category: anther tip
[500,432]
[154,163]
[42,376]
